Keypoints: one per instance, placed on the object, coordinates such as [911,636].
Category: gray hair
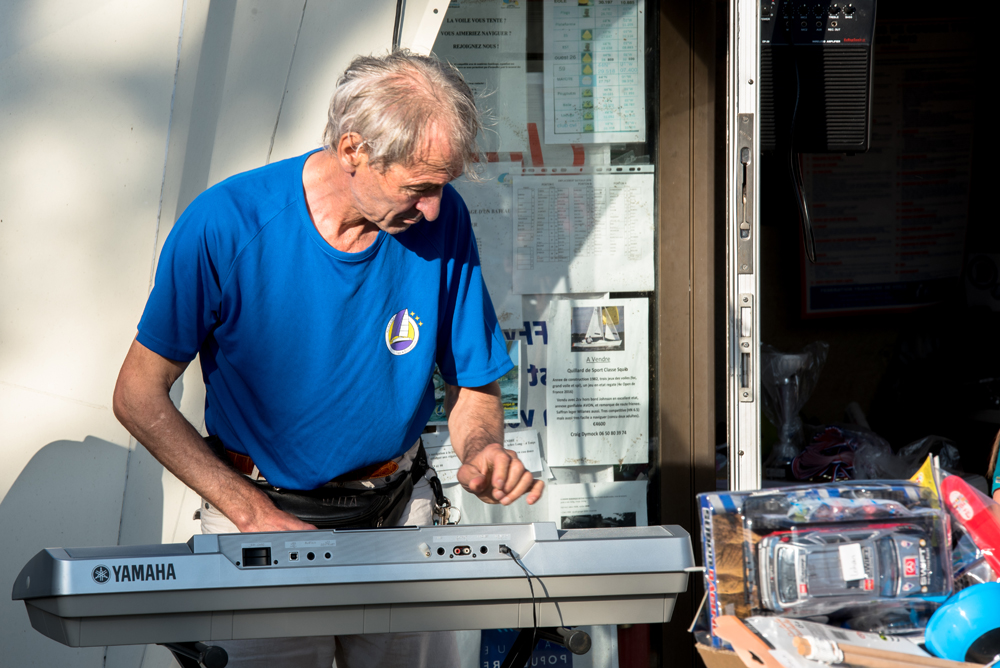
[391,101]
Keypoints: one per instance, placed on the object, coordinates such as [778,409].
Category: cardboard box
[719,658]
[722,540]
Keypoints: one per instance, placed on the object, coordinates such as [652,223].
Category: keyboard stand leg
[197,655]
[576,641]
[520,652]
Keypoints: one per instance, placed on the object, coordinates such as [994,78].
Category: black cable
[534,614]
[796,169]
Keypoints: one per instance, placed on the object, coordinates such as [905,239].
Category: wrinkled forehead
[427,172]
[434,156]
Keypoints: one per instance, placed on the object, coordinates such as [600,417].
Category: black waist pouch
[336,507]
[364,504]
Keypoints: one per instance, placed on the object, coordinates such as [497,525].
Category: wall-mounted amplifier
[815,71]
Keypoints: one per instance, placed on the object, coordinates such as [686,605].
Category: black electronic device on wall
[815,71]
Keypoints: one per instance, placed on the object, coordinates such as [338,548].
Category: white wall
[113,116]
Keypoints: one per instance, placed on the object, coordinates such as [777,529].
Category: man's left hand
[497,475]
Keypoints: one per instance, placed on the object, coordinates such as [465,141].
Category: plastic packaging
[978,515]
[787,381]
[876,461]
[968,561]
[976,573]
[832,453]
[909,620]
[829,456]
[965,555]
[945,450]
[871,555]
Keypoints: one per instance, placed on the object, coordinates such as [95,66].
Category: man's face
[404,195]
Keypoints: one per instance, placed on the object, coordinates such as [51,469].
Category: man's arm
[475,423]
[142,403]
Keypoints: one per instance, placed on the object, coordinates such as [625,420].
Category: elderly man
[320,292]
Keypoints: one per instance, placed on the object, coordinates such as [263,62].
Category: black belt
[244,464]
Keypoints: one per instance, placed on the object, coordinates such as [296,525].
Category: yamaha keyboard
[306,583]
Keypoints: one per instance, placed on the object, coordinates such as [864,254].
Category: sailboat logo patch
[402,332]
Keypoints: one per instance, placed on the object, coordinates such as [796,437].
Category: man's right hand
[275,520]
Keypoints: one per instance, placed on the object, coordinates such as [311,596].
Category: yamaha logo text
[140,572]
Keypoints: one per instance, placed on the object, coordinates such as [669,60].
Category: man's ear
[351,152]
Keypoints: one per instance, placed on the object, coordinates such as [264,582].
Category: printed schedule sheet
[594,71]
[583,233]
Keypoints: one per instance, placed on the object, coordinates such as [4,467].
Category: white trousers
[445,649]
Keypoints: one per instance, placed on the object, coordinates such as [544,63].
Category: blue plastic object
[967,626]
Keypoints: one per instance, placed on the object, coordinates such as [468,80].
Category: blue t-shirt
[316,361]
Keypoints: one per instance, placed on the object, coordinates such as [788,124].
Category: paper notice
[583,233]
[598,505]
[597,389]
[594,71]
[474,511]
[442,458]
[486,41]
[525,444]
[490,202]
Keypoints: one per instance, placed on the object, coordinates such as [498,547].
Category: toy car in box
[796,568]
[872,552]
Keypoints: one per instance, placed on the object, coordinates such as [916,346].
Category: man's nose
[430,204]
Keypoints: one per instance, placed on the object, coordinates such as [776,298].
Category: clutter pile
[879,573]
[818,452]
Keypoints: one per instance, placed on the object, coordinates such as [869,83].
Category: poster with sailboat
[597,389]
